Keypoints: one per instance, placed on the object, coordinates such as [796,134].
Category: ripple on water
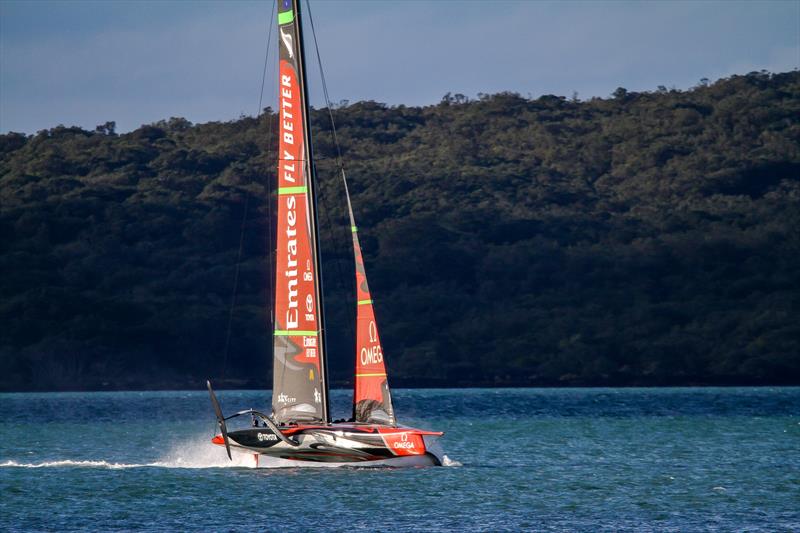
[544,460]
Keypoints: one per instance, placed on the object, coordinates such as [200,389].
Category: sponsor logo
[262,437]
[371,355]
[287,118]
[283,398]
[310,308]
[404,443]
[292,318]
[289,170]
[287,42]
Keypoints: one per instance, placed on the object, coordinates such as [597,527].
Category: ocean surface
[704,459]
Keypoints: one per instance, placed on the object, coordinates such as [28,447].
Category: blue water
[707,459]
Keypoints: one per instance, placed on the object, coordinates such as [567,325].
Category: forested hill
[648,238]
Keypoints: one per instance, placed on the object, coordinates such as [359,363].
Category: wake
[70,462]
[446,461]
[190,462]
[195,453]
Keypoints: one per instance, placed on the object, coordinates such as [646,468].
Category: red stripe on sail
[295,298]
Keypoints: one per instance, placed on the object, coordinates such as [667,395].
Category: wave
[199,453]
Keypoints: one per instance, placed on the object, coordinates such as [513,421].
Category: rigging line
[339,158]
[340,272]
[237,273]
[271,244]
[270,248]
[272,186]
[266,58]
[235,288]
[325,89]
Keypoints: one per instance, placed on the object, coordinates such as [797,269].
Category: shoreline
[201,388]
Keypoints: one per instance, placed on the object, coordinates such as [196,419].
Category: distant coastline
[266,385]
[645,239]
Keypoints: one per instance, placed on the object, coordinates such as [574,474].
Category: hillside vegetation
[648,238]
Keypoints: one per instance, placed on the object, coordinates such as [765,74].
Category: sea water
[704,459]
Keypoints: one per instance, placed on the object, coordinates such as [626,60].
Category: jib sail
[299,392]
[372,401]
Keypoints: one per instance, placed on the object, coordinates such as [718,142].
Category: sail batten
[299,392]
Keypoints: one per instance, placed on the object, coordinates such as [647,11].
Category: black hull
[338,444]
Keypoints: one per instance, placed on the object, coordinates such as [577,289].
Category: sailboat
[299,431]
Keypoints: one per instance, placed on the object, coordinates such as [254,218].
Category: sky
[84,63]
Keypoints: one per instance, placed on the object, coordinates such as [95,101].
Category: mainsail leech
[299,392]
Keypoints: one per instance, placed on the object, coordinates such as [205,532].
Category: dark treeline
[648,238]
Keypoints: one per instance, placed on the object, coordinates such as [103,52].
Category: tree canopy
[645,239]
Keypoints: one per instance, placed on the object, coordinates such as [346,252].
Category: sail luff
[372,400]
[311,169]
[299,371]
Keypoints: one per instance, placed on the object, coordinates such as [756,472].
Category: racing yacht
[299,431]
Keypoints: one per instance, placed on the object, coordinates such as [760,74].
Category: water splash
[68,462]
[191,453]
[446,461]
[200,453]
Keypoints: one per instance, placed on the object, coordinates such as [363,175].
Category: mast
[312,191]
[300,385]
